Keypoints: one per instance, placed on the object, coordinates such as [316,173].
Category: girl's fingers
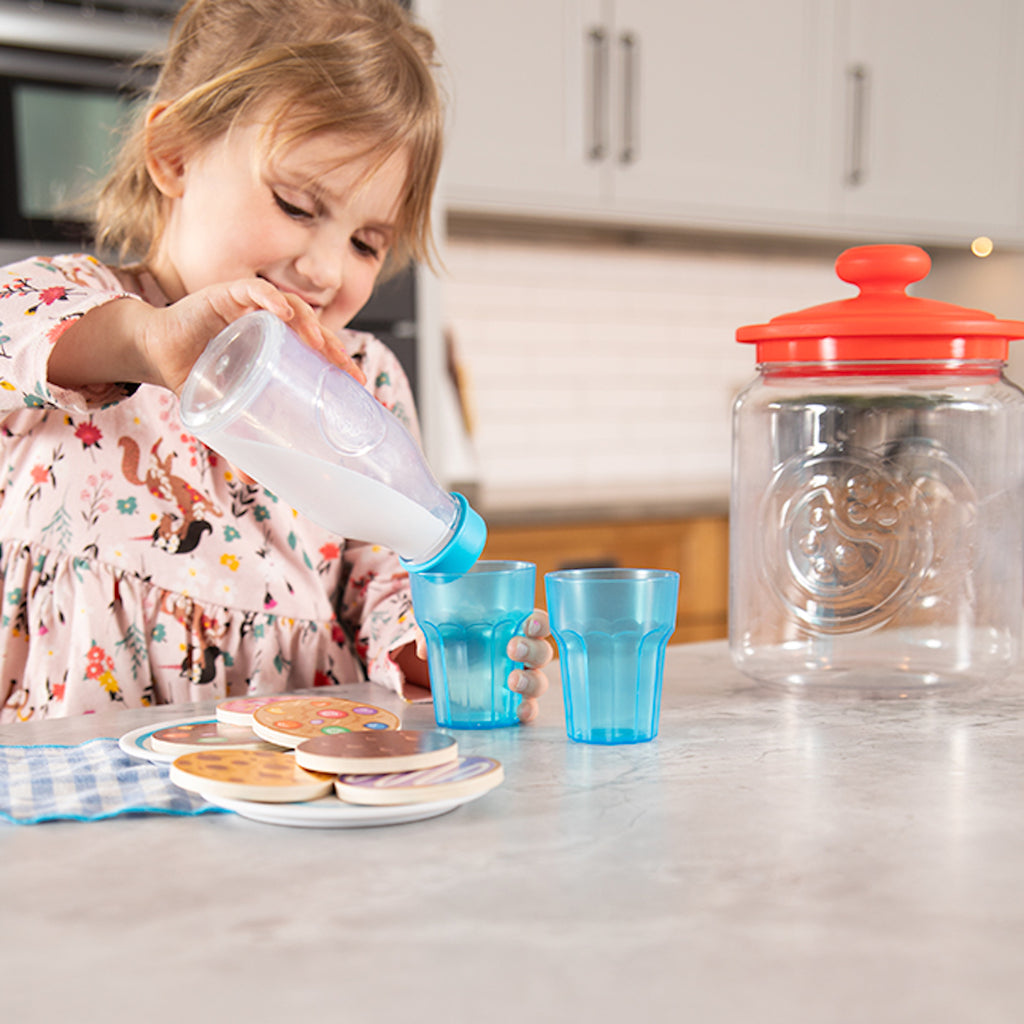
[530,682]
[532,647]
[306,324]
[531,653]
[537,624]
[528,709]
[533,650]
[338,354]
[241,297]
[245,296]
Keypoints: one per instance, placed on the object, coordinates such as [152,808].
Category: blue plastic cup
[468,621]
[612,627]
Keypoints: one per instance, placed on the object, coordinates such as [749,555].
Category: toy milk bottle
[876,506]
[313,435]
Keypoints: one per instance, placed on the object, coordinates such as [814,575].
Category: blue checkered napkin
[87,782]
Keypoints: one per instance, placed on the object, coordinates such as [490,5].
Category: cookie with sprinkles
[187,737]
[269,776]
[465,777]
[288,722]
[376,751]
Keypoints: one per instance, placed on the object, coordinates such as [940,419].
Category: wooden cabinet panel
[696,548]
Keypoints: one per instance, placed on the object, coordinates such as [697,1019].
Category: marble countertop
[770,857]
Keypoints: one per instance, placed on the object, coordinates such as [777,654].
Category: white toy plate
[330,812]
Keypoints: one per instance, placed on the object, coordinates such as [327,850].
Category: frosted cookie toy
[288,722]
[469,776]
[187,737]
[239,710]
[269,776]
[389,751]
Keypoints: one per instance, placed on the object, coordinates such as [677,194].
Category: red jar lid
[882,323]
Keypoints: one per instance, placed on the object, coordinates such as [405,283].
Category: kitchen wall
[602,368]
[994,284]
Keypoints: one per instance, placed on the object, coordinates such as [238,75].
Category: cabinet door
[723,108]
[934,115]
[528,83]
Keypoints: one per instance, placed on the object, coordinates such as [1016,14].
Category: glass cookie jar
[877,501]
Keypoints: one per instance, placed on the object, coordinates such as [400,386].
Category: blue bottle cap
[464,546]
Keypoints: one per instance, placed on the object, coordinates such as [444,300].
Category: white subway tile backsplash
[598,365]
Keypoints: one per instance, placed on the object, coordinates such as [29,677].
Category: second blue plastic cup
[612,627]
[468,621]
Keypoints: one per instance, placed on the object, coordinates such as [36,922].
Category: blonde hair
[359,67]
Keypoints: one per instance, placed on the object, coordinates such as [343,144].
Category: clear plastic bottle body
[875,533]
[314,436]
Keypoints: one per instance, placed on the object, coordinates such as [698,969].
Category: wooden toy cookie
[269,776]
[288,722]
[239,710]
[387,751]
[187,737]
[468,776]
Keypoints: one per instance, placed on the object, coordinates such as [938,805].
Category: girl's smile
[309,217]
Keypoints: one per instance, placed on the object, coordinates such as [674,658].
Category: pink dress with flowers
[138,567]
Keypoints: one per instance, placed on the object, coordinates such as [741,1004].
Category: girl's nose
[322,263]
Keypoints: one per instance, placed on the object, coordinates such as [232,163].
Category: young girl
[287,157]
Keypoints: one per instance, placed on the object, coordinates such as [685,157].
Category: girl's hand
[535,651]
[176,338]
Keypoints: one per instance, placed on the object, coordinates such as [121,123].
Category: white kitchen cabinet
[638,108]
[720,110]
[872,118]
[521,77]
[934,136]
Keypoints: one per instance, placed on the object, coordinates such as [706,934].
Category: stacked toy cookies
[296,749]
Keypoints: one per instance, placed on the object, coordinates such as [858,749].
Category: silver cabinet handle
[597,40]
[856,168]
[630,66]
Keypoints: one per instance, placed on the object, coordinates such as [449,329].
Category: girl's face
[305,218]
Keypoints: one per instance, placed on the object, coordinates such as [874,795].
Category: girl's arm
[40,298]
[127,340]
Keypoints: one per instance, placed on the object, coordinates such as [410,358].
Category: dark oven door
[59,115]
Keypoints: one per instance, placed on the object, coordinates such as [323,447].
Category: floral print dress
[139,567]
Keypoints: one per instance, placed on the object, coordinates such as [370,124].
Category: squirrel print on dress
[179,533]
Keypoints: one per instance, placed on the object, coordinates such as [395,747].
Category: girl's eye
[291,209]
[365,248]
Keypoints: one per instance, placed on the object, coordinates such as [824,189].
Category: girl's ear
[166,166]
